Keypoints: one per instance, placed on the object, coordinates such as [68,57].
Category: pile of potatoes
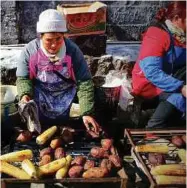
[81,166]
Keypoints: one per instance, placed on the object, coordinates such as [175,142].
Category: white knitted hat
[51,21]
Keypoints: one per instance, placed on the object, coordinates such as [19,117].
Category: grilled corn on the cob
[29,167]
[68,160]
[52,167]
[182,155]
[46,135]
[17,156]
[169,169]
[13,171]
[152,148]
[62,172]
[176,180]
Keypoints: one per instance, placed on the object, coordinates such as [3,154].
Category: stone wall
[9,23]
[125,19]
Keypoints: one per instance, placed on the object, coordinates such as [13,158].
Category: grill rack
[136,135]
[81,146]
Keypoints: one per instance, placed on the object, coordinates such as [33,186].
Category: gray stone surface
[125,19]
[29,13]
[9,23]
[126,32]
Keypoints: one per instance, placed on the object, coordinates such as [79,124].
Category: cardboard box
[84,19]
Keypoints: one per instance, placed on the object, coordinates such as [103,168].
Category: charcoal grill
[81,146]
[135,136]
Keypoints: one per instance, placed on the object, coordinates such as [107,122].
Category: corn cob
[169,169]
[175,180]
[62,172]
[38,172]
[46,135]
[13,171]
[68,160]
[52,167]
[17,156]
[29,167]
[182,155]
[152,148]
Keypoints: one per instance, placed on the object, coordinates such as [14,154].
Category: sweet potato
[184,138]
[106,144]
[79,160]
[98,152]
[46,151]
[75,171]
[106,163]
[113,150]
[45,160]
[67,134]
[177,141]
[96,172]
[156,158]
[115,160]
[89,164]
[55,143]
[59,153]
[24,136]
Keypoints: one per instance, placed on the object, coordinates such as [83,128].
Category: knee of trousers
[178,100]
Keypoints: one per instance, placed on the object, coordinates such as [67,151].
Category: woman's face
[179,22]
[52,42]
[182,24]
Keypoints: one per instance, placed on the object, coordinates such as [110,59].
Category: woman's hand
[183,90]
[92,126]
[25,98]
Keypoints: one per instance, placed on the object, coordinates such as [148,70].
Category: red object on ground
[150,136]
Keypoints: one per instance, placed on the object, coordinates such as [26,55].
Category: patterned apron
[53,94]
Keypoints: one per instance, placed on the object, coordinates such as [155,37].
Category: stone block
[8,4]
[131,15]
[131,3]
[93,45]
[125,33]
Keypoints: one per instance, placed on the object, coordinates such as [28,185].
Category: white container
[8,96]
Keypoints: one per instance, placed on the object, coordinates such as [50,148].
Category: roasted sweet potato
[96,172]
[98,152]
[106,144]
[106,163]
[55,143]
[46,151]
[156,158]
[67,134]
[75,171]
[79,160]
[89,164]
[113,150]
[177,141]
[45,160]
[115,160]
[184,138]
[24,136]
[59,153]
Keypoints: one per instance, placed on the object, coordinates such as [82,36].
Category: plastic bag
[125,98]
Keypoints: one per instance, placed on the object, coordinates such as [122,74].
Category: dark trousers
[165,111]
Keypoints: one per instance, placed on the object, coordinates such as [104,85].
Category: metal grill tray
[81,146]
[136,137]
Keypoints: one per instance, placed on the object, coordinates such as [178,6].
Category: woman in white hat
[51,70]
